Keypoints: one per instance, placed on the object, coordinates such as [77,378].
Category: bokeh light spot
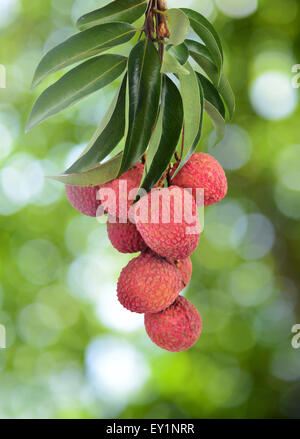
[39,261]
[38,325]
[253,236]
[9,10]
[235,150]
[251,283]
[113,315]
[237,8]
[272,95]
[115,369]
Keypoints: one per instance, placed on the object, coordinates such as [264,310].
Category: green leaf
[198,137]
[172,120]
[211,94]
[103,124]
[75,85]
[202,56]
[192,112]
[181,53]
[144,95]
[154,143]
[172,65]
[99,174]
[208,35]
[217,120]
[82,46]
[120,10]
[179,25]
[213,106]
[106,139]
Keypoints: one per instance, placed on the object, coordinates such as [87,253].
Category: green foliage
[99,174]
[126,11]
[201,55]
[181,110]
[179,26]
[192,111]
[57,300]
[82,46]
[171,123]
[209,36]
[76,85]
[107,137]
[144,95]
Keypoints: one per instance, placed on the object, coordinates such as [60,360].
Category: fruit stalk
[155,26]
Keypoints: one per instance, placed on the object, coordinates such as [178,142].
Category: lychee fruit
[202,171]
[168,221]
[185,267]
[83,199]
[124,236]
[177,328]
[149,283]
[124,190]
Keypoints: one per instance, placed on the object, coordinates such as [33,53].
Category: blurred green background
[72,351]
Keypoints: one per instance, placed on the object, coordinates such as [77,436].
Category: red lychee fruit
[149,283]
[123,188]
[83,199]
[177,328]
[202,171]
[185,267]
[168,221]
[125,236]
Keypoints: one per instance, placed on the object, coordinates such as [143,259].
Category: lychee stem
[158,32]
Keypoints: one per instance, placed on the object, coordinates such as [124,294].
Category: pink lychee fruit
[202,171]
[177,328]
[185,267]
[123,192]
[83,199]
[168,221]
[124,236]
[149,283]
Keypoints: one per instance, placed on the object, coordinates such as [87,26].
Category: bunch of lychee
[166,237]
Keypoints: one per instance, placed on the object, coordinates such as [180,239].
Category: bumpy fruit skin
[202,171]
[125,237]
[172,239]
[149,284]
[177,328]
[185,267]
[120,207]
[83,199]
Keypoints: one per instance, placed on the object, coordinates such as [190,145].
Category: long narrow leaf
[153,144]
[213,106]
[75,85]
[211,94]
[198,137]
[144,96]
[202,56]
[172,119]
[107,139]
[82,46]
[208,34]
[192,112]
[99,174]
[120,10]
